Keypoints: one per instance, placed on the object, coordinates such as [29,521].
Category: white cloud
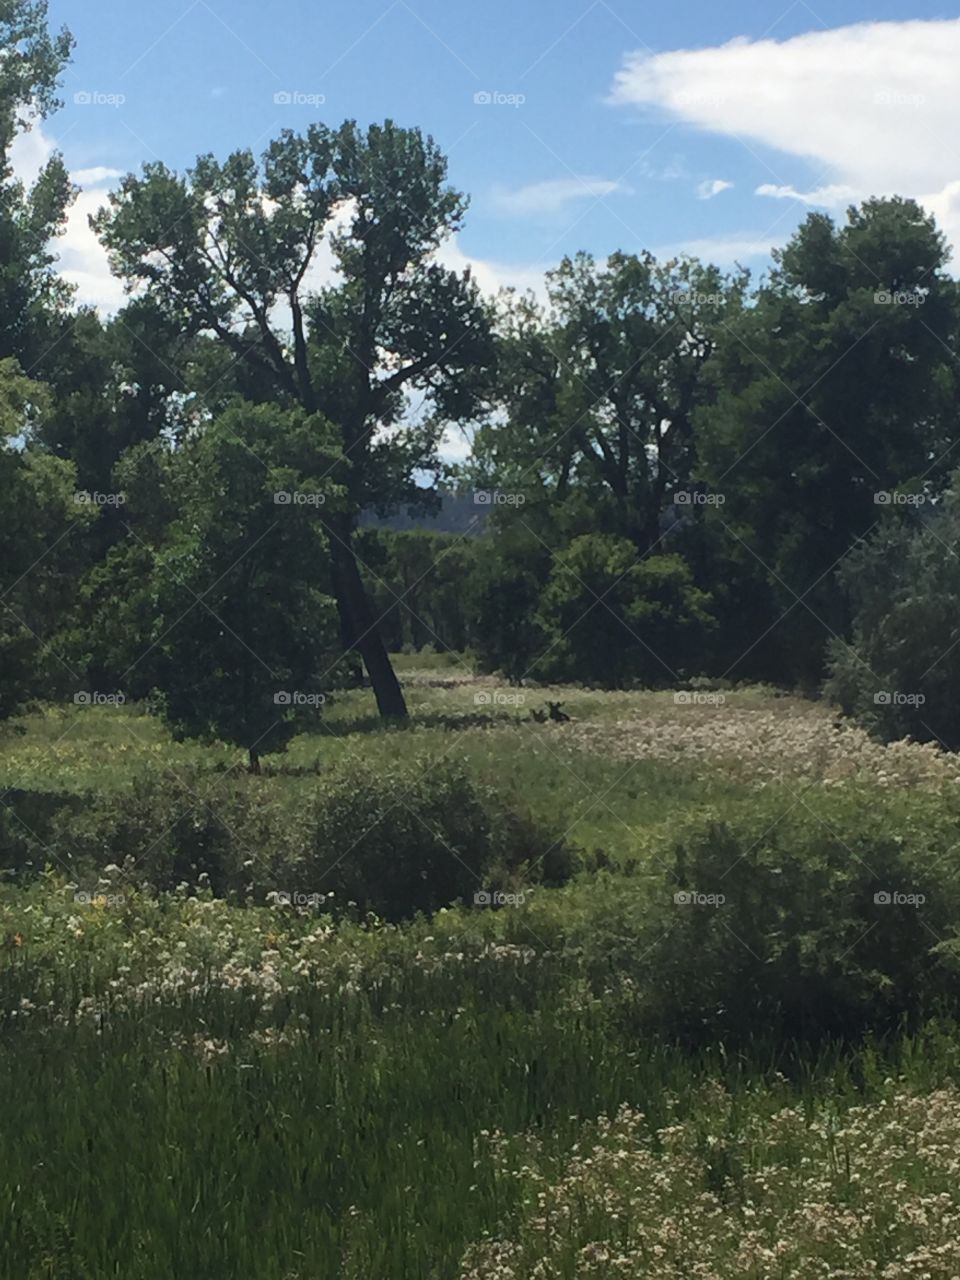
[82,260]
[492,276]
[874,105]
[94,177]
[722,251]
[711,187]
[554,195]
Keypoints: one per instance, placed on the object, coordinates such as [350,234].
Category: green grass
[606,804]
[196,1089]
[349,1150]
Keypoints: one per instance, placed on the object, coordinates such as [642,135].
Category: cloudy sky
[575,125]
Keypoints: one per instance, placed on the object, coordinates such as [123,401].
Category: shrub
[411,838]
[900,675]
[612,618]
[810,938]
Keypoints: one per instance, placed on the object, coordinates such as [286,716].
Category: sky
[575,124]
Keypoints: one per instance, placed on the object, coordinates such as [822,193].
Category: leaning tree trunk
[358,626]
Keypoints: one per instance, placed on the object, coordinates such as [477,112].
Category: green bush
[26,820]
[900,675]
[613,618]
[802,943]
[415,837]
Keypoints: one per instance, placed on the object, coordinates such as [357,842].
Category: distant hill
[458,513]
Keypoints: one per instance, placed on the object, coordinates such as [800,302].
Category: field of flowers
[200,1086]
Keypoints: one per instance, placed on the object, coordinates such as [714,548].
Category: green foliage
[394,841]
[810,938]
[228,614]
[611,618]
[599,387]
[503,596]
[31,294]
[900,673]
[416,580]
[38,513]
[830,390]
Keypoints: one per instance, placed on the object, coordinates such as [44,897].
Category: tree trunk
[358,625]
[254,765]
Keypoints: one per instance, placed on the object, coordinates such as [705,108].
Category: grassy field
[199,1088]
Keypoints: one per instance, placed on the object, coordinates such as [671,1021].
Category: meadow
[601,1077]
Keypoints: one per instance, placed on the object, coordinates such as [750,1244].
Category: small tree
[233,624]
[503,594]
[37,512]
[611,618]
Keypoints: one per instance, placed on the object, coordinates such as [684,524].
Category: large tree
[598,389]
[229,249]
[837,388]
[31,294]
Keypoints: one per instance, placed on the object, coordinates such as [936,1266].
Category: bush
[395,842]
[612,618]
[900,675]
[804,944]
[27,818]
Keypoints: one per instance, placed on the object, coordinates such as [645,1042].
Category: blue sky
[618,125]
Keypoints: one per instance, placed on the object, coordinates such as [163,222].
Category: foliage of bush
[413,838]
[827,922]
[900,675]
[612,618]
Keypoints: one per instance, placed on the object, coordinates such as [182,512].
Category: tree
[31,294]
[503,594]
[599,388]
[612,619]
[417,585]
[836,388]
[223,248]
[118,384]
[37,513]
[224,612]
